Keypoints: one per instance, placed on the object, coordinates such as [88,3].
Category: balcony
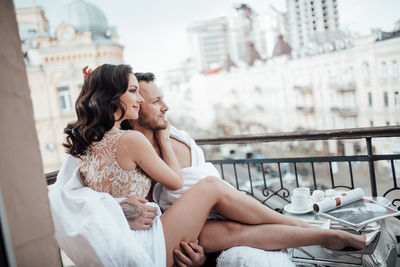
[304,89]
[306,109]
[271,180]
[345,111]
[342,87]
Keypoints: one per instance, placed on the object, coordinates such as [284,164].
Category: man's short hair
[145,76]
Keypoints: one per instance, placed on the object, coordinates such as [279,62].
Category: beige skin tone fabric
[185,219]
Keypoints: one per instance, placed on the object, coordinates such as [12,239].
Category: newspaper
[352,210]
[338,201]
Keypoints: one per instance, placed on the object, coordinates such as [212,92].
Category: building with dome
[54,61]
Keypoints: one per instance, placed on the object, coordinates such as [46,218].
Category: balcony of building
[305,109]
[345,111]
[342,87]
[304,89]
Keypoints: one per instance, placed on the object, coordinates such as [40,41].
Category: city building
[210,42]
[241,37]
[54,62]
[313,24]
[349,88]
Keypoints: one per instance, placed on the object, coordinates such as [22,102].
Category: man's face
[152,111]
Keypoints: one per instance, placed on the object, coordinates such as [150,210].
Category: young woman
[120,163]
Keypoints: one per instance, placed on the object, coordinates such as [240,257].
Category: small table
[385,253]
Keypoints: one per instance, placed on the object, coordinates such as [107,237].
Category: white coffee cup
[318,195]
[303,191]
[300,202]
[331,193]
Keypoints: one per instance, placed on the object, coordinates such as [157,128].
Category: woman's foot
[339,240]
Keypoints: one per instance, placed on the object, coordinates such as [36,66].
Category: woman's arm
[167,152]
[134,149]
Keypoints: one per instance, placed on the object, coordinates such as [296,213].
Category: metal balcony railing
[304,89]
[267,183]
[342,87]
[345,111]
[305,109]
[256,177]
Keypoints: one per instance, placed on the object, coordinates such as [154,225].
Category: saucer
[289,208]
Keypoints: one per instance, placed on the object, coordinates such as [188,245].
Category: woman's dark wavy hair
[95,107]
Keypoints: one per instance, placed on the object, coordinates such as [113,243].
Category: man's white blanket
[198,170]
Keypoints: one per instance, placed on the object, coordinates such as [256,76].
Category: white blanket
[198,170]
[92,229]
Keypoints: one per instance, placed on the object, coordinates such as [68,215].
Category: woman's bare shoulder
[132,138]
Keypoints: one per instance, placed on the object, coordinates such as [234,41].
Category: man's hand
[139,215]
[194,255]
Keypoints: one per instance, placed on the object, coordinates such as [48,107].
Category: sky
[154,31]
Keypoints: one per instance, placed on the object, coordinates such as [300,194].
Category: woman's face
[131,99]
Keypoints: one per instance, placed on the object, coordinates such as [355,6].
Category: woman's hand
[139,215]
[163,135]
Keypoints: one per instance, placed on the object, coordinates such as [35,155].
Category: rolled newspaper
[339,200]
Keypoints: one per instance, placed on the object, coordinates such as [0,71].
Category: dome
[84,16]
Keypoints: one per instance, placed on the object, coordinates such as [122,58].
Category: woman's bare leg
[221,235]
[186,217]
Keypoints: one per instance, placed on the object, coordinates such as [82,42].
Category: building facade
[348,88]
[54,62]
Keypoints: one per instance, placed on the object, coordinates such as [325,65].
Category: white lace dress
[100,171]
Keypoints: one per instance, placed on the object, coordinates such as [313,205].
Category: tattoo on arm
[131,211]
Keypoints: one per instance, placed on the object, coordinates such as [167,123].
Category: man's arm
[182,153]
[137,213]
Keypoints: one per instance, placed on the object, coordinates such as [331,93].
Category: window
[370,99]
[367,73]
[385,99]
[396,99]
[351,74]
[383,70]
[395,69]
[64,98]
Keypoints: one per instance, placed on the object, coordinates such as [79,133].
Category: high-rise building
[210,42]
[312,22]
[241,37]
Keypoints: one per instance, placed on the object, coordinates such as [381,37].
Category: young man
[216,234]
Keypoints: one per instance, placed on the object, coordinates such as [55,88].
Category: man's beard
[151,123]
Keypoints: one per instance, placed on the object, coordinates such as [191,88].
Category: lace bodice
[101,172]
